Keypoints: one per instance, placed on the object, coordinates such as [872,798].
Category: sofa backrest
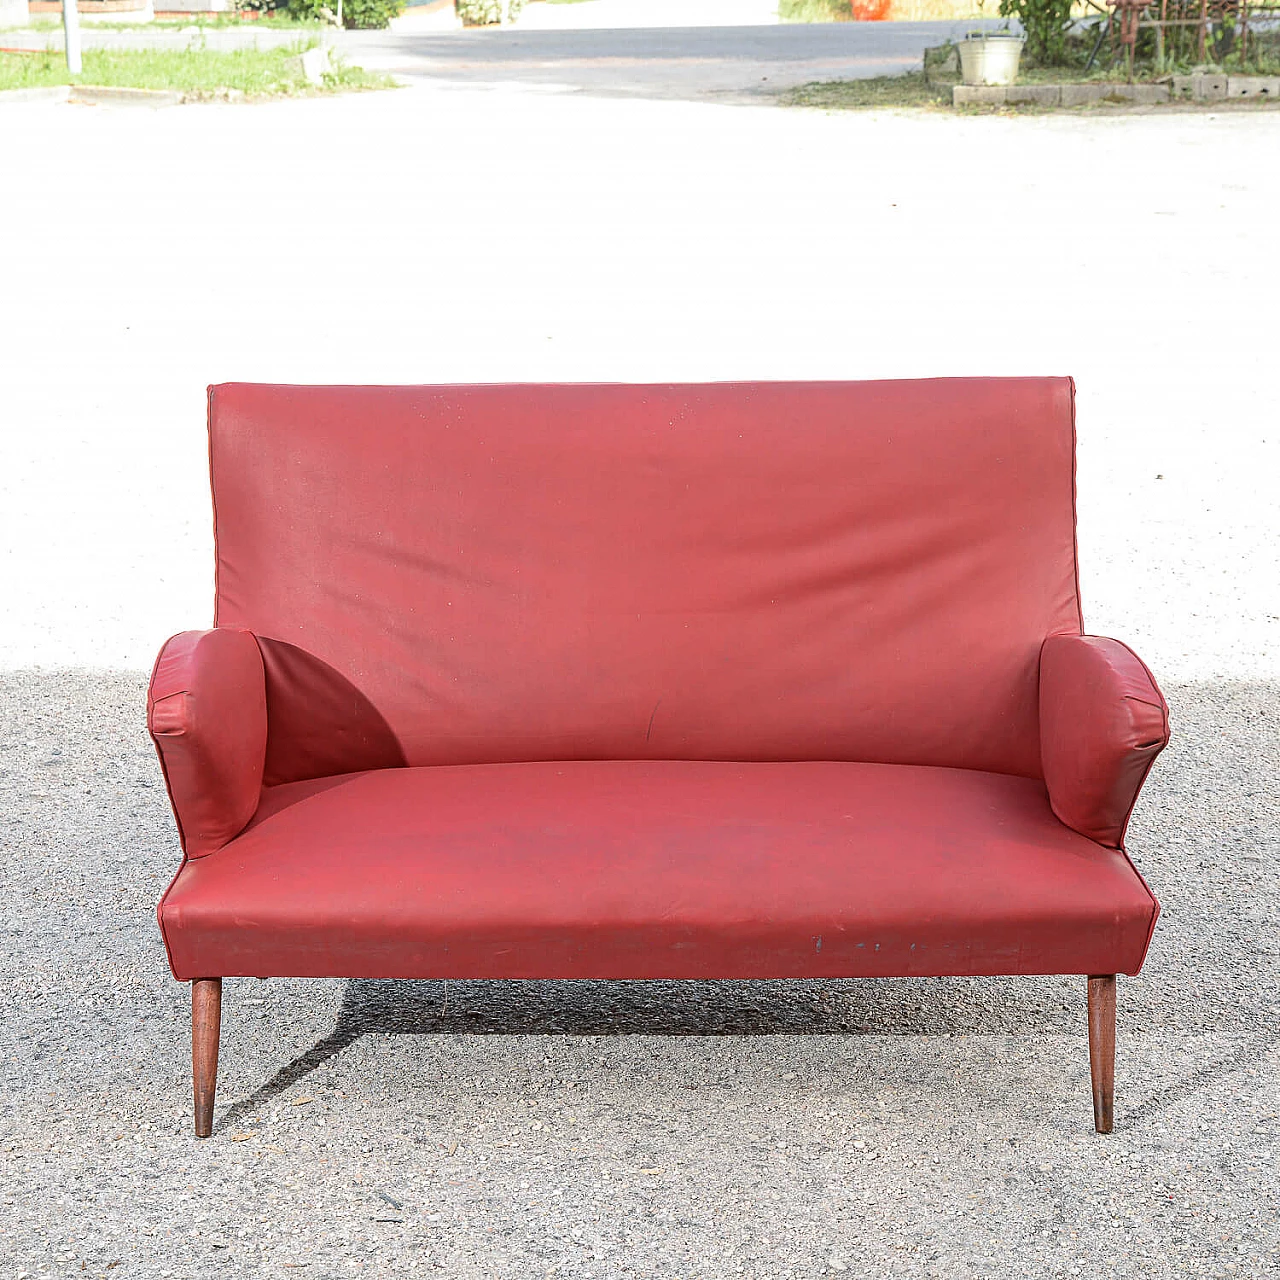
[736,571]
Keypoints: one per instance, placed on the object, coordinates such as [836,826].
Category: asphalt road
[927,1129]
[716,63]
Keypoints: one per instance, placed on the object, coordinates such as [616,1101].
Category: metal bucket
[990,59]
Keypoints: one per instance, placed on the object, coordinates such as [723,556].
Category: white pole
[71,26]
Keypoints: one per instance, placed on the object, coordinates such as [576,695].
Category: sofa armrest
[207,714]
[1103,721]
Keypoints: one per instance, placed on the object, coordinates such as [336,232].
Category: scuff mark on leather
[649,731]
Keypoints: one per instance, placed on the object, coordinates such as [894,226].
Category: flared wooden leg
[206,1022]
[1102,1049]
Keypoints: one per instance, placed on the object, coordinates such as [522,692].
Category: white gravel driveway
[934,1128]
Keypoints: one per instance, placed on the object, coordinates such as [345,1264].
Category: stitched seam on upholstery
[1155,907]
[1158,743]
[213,501]
[151,712]
[155,741]
[1155,688]
[266,737]
[1075,536]
[1137,791]
[1164,742]
[164,937]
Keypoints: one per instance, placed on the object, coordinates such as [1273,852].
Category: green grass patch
[32,71]
[256,73]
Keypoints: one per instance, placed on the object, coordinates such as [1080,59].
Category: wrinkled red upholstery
[207,715]
[653,681]
[1103,721]
[845,571]
[658,869]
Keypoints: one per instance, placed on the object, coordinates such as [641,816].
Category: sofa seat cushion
[657,869]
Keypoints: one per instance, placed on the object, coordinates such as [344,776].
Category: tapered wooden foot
[206,1023]
[1102,1049]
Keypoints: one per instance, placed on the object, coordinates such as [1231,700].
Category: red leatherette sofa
[754,680]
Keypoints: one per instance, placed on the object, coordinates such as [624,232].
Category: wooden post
[1102,1049]
[206,1023]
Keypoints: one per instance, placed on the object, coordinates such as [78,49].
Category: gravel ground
[909,1128]
[937,1128]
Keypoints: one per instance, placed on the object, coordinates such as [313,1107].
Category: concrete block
[1044,95]
[1079,95]
[969,95]
[1200,85]
[1253,87]
[314,64]
[1059,95]
[13,13]
[1208,88]
[1145,94]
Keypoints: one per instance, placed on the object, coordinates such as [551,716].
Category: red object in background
[871,10]
[726,680]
